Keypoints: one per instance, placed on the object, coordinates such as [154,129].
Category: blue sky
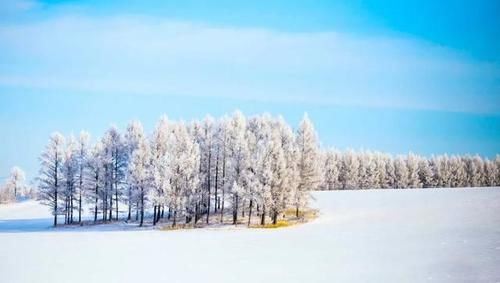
[384,75]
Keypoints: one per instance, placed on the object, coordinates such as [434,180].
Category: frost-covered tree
[50,177]
[390,173]
[184,165]
[259,134]
[349,172]
[159,167]
[70,170]
[140,174]
[474,170]
[291,155]
[425,173]
[443,171]
[207,147]
[400,173]
[380,161]
[238,160]
[490,172]
[497,164]
[368,175]
[14,186]
[6,193]
[16,180]
[222,162]
[116,166]
[278,181]
[330,163]
[412,165]
[133,136]
[94,181]
[82,163]
[204,135]
[307,162]
[458,176]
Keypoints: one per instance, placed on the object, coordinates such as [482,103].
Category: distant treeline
[350,169]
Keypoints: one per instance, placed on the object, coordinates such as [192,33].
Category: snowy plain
[428,235]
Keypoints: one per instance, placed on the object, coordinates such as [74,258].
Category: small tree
[307,162]
[16,180]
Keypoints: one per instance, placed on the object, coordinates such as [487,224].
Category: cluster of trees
[14,187]
[183,172]
[372,170]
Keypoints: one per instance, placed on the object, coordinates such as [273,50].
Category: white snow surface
[427,235]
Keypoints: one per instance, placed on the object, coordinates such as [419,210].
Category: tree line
[375,170]
[189,172]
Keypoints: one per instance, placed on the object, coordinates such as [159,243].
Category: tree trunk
[80,207]
[162,210]
[223,183]
[66,212]
[222,208]
[263,216]
[137,211]
[95,211]
[158,214]
[142,206]
[250,213]
[96,199]
[209,175]
[111,205]
[297,211]
[275,217]
[175,218]
[56,186]
[116,182]
[104,211]
[243,209]
[55,205]
[71,202]
[208,208]
[116,202]
[216,181]
[129,203]
[196,212]
[154,215]
[105,204]
[235,210]
[80,195]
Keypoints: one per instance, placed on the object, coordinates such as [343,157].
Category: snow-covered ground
[436,235]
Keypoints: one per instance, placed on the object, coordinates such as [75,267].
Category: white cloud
[129,54]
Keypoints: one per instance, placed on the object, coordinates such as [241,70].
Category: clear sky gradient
[383,75]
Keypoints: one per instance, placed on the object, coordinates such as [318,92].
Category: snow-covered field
[437,235]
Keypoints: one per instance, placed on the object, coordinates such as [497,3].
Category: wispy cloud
[140,55]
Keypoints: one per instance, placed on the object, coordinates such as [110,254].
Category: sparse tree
[50,176]
[309,175]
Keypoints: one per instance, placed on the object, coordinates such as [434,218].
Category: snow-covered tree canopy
[234,165]
[228,167]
